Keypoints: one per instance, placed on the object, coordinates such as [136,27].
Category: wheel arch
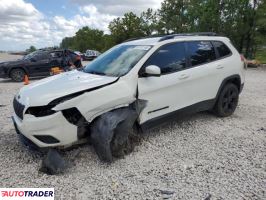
[235,79]
[99,114]
[136,106]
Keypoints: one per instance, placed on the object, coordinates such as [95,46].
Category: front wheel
[113,134]
[120,145]
[227,100]
[17,75]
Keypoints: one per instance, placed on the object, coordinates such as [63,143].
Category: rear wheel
[17,75]
[227,100]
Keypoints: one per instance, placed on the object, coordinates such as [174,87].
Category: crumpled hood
[46,90]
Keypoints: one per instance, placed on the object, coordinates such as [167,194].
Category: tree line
[243,21]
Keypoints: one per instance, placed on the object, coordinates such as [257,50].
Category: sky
[45,23]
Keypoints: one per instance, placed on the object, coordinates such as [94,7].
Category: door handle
[183,76]
[219,67]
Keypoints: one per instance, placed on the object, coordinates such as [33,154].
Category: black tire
[123,146]
[17,74]
[227,100]
[113,134]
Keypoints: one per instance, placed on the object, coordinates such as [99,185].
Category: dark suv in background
[38,63]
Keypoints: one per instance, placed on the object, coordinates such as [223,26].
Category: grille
[18,108]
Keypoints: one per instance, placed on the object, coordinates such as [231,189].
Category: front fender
[94,103]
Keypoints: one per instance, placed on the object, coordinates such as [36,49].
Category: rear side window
[222,49]
[170,58]
[200,52]
[56,54]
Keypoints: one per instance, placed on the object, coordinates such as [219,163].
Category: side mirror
[152,70]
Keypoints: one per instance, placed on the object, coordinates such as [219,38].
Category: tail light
[78,57]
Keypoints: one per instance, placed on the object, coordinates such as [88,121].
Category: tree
[243,21]
[31,49]
[129,26]
[173,16]
[149,20]
[67,42]
[85,38]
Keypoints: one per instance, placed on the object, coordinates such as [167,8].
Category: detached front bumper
[49,131]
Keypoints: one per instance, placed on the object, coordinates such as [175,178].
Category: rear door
[204,70]
[226,63]
[56,58]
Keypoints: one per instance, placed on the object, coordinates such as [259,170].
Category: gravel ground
[198,157]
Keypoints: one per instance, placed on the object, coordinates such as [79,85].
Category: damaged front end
[112,134]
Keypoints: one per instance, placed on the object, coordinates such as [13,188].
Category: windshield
[118,61]
[31,55]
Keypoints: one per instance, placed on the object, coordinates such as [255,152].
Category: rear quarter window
[222,49]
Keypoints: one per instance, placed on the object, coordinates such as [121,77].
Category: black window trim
[140,73]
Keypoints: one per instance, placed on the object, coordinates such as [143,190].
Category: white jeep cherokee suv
[172,75]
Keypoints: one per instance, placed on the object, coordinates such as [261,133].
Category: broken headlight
[40,111]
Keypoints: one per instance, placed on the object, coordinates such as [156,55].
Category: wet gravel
[198,157]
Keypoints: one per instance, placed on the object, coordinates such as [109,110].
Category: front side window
[170,58]
[42,56]
[222,49]
[200,52]
[118,61]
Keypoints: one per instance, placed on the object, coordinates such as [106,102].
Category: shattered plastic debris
[120,122]
[29,144]
[53,163]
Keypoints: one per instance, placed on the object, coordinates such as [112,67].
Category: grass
[261,55]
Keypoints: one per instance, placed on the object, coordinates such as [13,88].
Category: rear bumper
[49,131]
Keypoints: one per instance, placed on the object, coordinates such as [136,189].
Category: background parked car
[91,54]
[38,63]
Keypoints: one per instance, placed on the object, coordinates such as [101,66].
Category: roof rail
[144,37]
[167,37]
[131,39]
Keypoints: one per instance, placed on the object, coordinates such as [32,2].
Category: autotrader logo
[27,193]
